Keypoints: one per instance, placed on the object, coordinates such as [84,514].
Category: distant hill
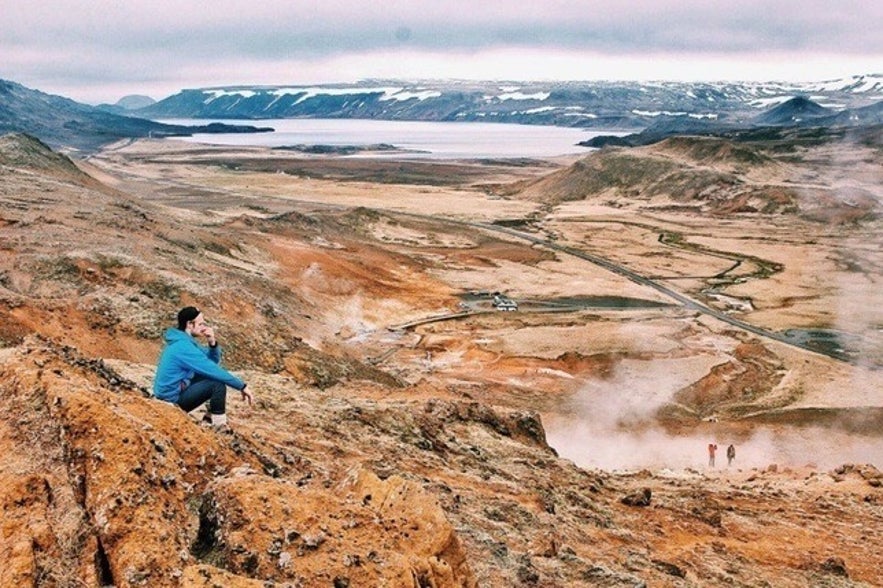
[20,151]
[705,175]
[795,111]
[28,157]
[126,104]
[64,124]
[692,171]
[866,116]
[135,101]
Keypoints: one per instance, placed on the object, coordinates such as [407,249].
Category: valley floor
[812,282]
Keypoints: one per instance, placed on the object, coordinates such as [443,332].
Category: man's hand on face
[206,331]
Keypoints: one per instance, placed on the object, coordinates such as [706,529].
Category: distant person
[188,374]
[731,454]
[712,449]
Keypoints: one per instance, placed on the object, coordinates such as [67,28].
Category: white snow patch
[387,93]
[520,96]
[419,95]
[767,102]
[537,110]
[215,94]
[855,84]
[655,113]
[313,92]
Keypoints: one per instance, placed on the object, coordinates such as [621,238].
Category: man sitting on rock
[189,374]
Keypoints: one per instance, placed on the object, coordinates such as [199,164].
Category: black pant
[202,389]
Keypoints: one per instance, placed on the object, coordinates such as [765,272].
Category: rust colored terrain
[562,444]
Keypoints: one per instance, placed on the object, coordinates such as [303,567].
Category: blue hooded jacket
[181,360]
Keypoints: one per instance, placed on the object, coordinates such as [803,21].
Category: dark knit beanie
[185,315]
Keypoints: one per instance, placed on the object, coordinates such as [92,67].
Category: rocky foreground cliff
[348,471]
[103,486]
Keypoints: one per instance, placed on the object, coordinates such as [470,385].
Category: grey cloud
[334,27]
[632,37]
[139,40]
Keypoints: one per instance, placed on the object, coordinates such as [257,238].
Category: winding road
[621,270]
[592,258]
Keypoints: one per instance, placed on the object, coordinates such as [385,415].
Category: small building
[504,303]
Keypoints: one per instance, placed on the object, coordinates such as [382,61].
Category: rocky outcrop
[363,531]
[101,485]
[131,491]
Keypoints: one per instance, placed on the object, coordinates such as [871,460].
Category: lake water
[439,140]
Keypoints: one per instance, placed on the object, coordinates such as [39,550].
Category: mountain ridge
[799,113]
[655,110]
[621,105]
[63,123]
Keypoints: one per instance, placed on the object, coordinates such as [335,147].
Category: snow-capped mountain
[627,105]
[651,111]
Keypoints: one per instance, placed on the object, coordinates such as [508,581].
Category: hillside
[796,120]
[63,123]
[799,110]
[431,455]
[129,275]
[107,487]
[707,175]
[23,152]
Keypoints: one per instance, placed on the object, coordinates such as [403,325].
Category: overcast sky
[100,50]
